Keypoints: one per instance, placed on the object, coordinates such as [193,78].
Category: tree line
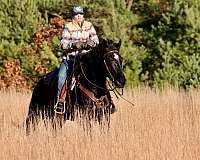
[160,38]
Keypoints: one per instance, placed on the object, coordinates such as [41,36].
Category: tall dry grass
[161,126]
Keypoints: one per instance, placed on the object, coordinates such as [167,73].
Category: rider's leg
[62,76]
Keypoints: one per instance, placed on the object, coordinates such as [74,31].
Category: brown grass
[161,126]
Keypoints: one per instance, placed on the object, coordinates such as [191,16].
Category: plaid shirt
[73,33]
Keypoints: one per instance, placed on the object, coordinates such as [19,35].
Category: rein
[99,102]
[117,94]
[97,86]
[89,80]
[109,71]
[113,51]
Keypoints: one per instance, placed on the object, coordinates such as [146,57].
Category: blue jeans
[62,74]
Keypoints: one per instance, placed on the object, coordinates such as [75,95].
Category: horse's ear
[118,45]
[103,42]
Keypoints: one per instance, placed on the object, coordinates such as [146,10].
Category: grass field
[161,126]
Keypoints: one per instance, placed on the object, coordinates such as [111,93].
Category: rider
[75,34]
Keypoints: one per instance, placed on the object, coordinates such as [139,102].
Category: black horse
[89,97]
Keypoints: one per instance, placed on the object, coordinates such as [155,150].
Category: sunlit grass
[161,125]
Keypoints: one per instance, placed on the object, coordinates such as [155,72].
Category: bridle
[112,85]
[107,68]
[101,101]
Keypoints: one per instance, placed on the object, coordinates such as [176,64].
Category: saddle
[101,102]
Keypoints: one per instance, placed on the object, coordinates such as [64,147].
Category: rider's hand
[78,45]
[90,43]
[66,51]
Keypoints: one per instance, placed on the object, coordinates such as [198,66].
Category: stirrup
[59,107]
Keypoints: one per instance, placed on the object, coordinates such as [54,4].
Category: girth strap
[87,92]
[99,102]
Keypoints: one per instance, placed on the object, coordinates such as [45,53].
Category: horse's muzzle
[120,82]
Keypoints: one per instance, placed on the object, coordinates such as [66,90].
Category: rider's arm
[93,35]
[66,38]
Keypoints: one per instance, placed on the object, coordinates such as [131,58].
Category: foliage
[19,21]
[160,39]
[173,54]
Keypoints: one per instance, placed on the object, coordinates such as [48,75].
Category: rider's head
[77,13]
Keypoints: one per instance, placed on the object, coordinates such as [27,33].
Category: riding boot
[60,101]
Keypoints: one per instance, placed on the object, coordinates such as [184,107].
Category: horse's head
[113,62]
